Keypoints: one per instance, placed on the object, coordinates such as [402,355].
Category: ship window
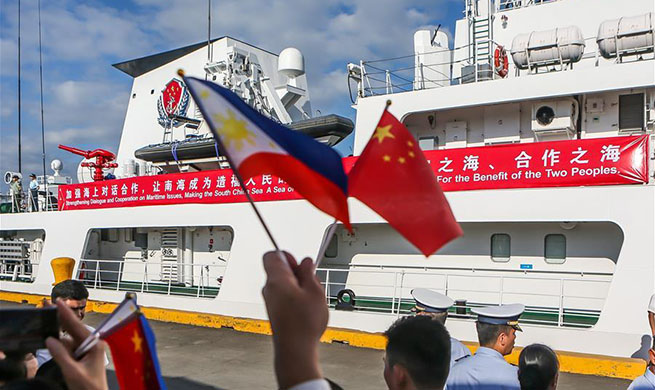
[428,142]
[631,111]
[500,247]
[555,248]
[332,248]
[109,235]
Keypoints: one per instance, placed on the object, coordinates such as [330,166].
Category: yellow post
[62,268]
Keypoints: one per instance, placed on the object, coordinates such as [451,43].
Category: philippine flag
[257,145]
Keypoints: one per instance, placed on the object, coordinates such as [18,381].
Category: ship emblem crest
[174,100]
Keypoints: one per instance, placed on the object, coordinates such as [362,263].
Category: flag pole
[245,191]
[180,72]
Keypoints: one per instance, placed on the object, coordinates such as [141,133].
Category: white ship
[561,91]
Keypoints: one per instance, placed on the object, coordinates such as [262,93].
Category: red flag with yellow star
[133,352]
[393,178]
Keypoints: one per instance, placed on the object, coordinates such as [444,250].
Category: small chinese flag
[393,178]
[132,345]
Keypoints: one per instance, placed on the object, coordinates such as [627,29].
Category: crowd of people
[420,353]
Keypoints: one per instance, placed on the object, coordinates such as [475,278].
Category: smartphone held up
[27,328]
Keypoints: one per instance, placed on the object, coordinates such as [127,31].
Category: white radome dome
[291,62]
[56,165]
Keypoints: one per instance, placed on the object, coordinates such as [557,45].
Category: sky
[85,98]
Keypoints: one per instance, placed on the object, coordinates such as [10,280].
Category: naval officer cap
[500,315]
[431,301]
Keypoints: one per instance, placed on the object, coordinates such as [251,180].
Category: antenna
[209,31]
[45,178]
[436,31]
[19,119]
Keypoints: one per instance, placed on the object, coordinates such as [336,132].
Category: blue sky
[85,98]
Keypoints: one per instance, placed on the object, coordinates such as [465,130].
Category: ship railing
[133,274]
[25,202]
[406,73]
[573,300]
[18,270]
[398,74]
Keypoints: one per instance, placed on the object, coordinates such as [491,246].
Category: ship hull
[299,229]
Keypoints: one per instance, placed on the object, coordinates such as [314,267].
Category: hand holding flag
[87,373]
[133,349]
[394,179]
[132,345]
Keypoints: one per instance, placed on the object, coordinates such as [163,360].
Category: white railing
[18,271]
[192,280]
[398,74]
[24,202]
[573,300]
[19,261]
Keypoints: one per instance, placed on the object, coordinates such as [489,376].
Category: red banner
[219,186]
[588,162]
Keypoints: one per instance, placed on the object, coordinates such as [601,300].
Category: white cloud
[84,114]
[8,55]
[329,91]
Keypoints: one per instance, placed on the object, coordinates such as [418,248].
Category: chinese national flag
[134,354]
[393,178]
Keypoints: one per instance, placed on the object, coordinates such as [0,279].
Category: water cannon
[103,160]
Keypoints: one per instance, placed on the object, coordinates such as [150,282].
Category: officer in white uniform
[644,382]
[487,369]
[434,304]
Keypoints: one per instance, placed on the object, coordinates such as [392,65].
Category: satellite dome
[56,165]
[291,62]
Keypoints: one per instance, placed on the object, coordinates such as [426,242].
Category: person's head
[14,178]
[32,176]
[498,337]
[497,326]
[51,372]
[417,355]
[431,303]
[16,365]
[12,367]
[73,293]
[538,368]
[31,384]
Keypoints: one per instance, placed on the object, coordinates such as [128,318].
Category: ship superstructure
[562,89]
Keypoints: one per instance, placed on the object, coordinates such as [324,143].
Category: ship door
[170,254]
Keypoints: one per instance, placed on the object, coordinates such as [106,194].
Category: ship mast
[19,118]
[209,34]
[45,179]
